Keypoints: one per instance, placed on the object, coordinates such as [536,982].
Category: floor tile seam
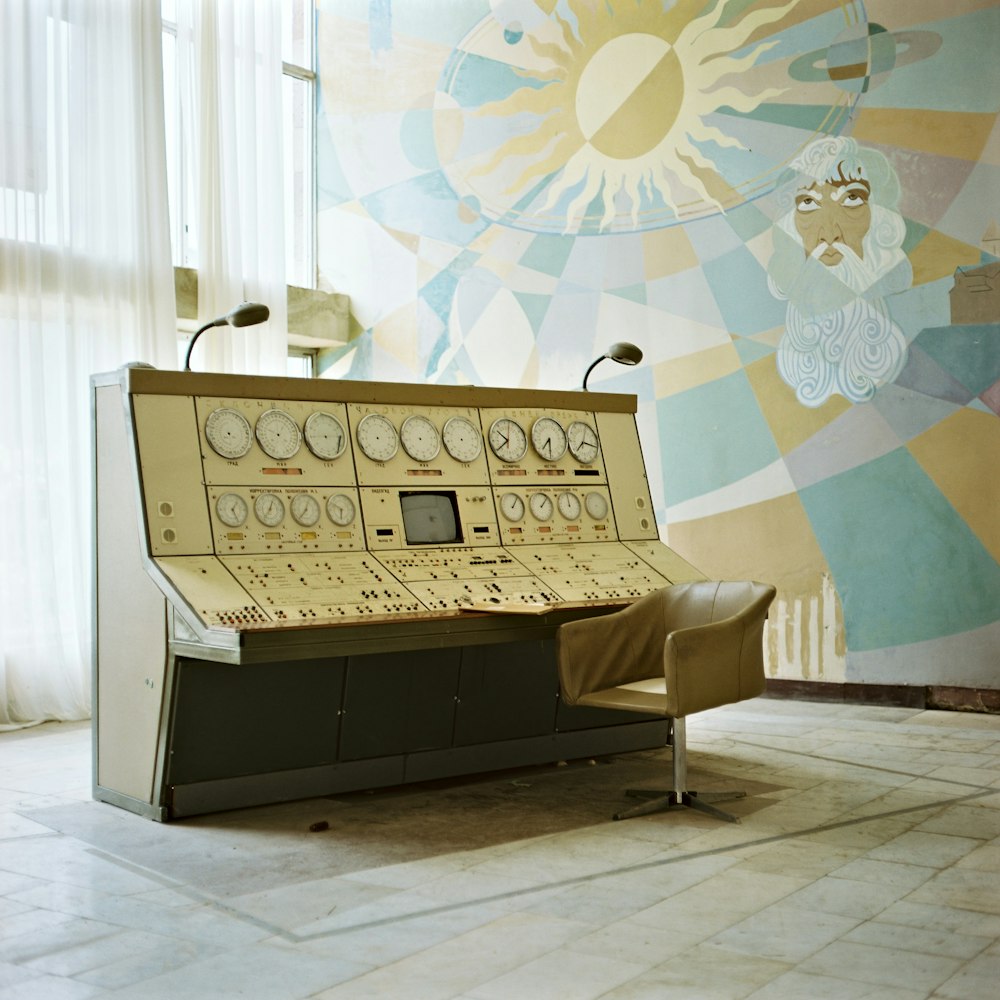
[987,942]
[608,873]
[988,789]
[851,971]
[120,923]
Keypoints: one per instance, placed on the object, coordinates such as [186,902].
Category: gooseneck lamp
[246,314]
[623,353]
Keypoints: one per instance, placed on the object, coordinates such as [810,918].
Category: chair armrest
[715,664]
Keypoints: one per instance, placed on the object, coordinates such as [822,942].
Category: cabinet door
[397,703]
[237,720]
[506,691]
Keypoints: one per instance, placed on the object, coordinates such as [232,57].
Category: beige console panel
[268,501]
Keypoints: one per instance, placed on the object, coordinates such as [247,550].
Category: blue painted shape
[962,75]
[416,138]
[426,205]
[535,307]
[474,80]
[686,294]
[970,353]
[924,375]
[751,350]
[332,186]
[379,25]
[910,413]
[739,285]
[548,254]
[906,566]
[439,293]
[634,293]
[711,436]
[925,305]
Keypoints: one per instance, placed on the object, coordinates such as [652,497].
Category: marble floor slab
[866,864]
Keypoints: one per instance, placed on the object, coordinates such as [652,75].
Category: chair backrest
[664,634]
[706,667]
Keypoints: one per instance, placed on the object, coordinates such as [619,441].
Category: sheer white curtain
[229,71]
[86,285]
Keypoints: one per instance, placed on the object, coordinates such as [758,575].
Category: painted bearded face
[832,215]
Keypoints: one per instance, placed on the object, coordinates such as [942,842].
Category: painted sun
[618,93]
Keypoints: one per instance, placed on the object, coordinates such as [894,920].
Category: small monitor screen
[430,518]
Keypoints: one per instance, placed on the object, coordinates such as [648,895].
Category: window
[298,53]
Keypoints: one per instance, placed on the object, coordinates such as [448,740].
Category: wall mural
[792,207]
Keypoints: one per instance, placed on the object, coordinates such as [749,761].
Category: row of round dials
[269,508]
[233,510]
[278,435]
[542,506]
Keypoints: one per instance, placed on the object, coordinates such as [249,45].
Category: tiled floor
[867,865]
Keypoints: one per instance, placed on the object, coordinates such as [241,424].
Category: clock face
[508,440]
[269,509]
[597,506]
[463,440]
[377,437]
[278,434]
[512,507]
[228,432]
[582,441]
[569,505]
[420,438]
[340,509]
[325,436]
[232,509]
[540,505]
[305,509]
[548,438]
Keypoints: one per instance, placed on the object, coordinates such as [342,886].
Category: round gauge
[325,436]
[305,509]
[512,506]
[463,440]
[278,434]
[569,505]
[269,509]
[340,509]
[540,505]
[377,437]
[583,443]
[420,438]
[231,509]
[548,438]
[597,506]
[508,440]
[228,432]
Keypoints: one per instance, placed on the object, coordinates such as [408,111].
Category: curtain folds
[230,69]
[86,285]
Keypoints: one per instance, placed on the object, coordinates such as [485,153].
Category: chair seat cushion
[647,695]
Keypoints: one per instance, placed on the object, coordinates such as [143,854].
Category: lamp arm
[593,365]
[207,326]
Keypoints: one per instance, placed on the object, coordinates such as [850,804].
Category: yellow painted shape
[960,454]
[357,81]
[667,251]
[773,541]
[790,422]
[959,134]
[681,374]
[396,335]
[937,256]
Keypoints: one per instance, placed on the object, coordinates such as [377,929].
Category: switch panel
[281,500]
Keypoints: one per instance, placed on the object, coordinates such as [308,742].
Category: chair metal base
[663,801]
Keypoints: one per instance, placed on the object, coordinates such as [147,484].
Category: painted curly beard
[850,351]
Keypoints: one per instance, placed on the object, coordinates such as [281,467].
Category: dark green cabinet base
[244,735]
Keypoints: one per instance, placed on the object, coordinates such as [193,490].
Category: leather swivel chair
[680,650]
